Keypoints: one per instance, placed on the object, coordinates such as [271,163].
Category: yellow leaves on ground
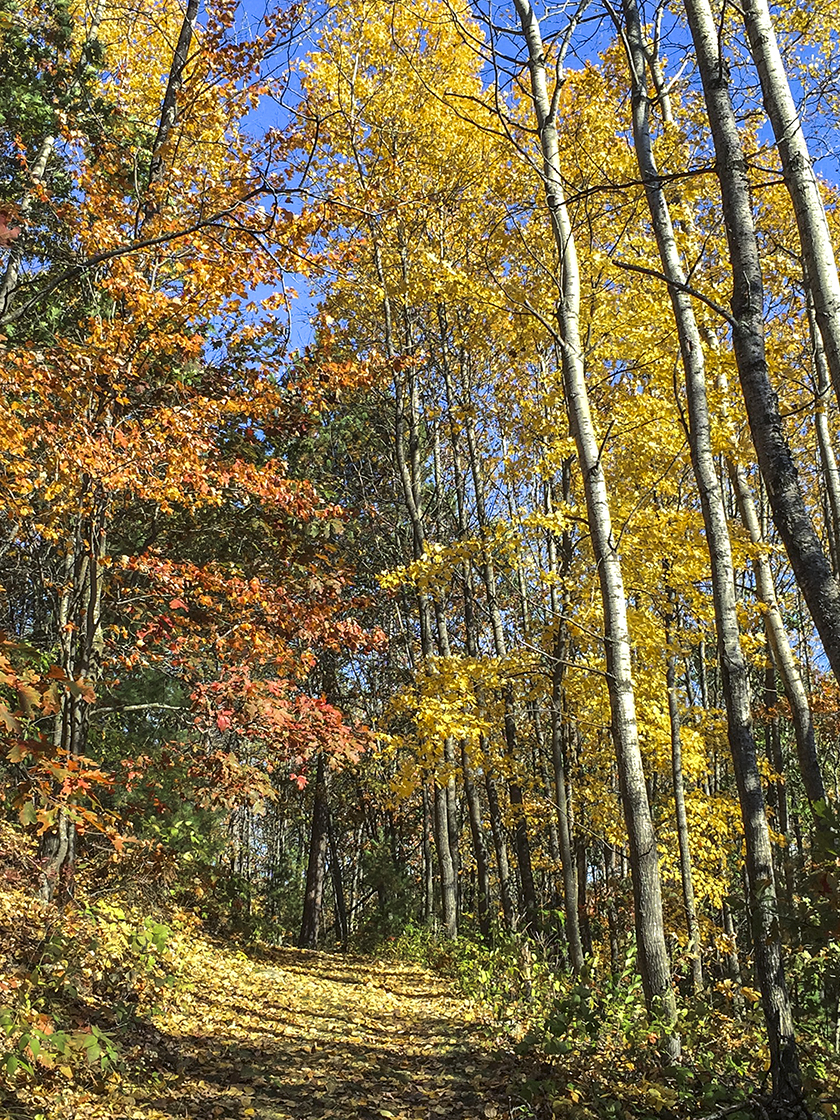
[289,1035]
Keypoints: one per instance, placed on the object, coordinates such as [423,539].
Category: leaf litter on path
[287,1034]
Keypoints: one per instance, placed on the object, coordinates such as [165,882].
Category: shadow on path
[296,1035]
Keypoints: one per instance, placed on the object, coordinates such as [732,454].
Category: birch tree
[653,955]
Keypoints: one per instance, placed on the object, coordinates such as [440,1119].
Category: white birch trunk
[791,517]
[650,933]
[800,179]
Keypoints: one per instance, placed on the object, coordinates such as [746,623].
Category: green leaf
[28,814]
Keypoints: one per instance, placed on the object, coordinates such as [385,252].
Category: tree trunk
[650,932]
[428,869]
[482,862]
[693,926]
[169,107]
[777,637]
[559,741]
[448,898]
[560,738]
[582,861]
[497,828]
[795,527]
[338,885]
[828,460]
[612,911]
[521,839]
[79,625]
[777,790]
[732,960]
[318,838]
[811,568]
[800,179]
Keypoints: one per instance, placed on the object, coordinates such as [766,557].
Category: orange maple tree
[152,523]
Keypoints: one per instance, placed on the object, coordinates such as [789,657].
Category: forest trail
[294,1035]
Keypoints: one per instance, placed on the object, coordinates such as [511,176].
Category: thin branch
[141,708]
[84,266]
[689,291]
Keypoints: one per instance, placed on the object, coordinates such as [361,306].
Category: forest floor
[285,1034]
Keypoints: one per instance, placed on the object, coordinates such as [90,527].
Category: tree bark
[318,838]
[428,869]
[446,870]
[811,568]
[169,106]
[653,953]
[777,637]
[828,460]
[497,829]
[800,179]
[338,885]
[560,738]
[521,839]
[686,879]
[482,861]
[79,625]
[795,527]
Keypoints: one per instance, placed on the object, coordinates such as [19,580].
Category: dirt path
[312,1036]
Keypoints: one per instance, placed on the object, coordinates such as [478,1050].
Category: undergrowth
[75,979]
[601,1055]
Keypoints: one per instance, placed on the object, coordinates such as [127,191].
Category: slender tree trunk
[448,899]
[777,637]
[428,869]
[409,471]
[169,107]
[497,828]
[482,862]
[777,789]
[612,914]
[800,179]
[318,839]
[582,877]
[693,926]
[794,525]
[811,568]
[548,786]
[560,738]
[650,932]
[828,460]
[79,624]
[338,885]
[521,839]
[356,880]
[732,959]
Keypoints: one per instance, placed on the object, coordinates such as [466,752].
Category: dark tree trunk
[482,861]
[338,885]
[497,827]
[318,836]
